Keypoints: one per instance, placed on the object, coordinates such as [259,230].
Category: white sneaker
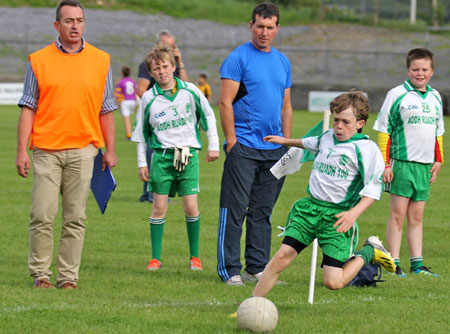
[235,280]
[247,277]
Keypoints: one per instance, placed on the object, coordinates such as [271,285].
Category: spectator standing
[66,111]
[203,85]
[145,80]
[254,102]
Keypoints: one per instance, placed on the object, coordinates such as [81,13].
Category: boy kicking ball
[345,180]
[411,126]
[168,119]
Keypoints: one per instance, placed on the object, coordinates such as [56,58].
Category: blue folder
[102,182]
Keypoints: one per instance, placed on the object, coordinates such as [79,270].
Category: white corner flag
[312,276]
[289,163]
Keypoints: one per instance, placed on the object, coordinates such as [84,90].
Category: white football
[257,314]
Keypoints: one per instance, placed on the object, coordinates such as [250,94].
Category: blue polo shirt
[265,76]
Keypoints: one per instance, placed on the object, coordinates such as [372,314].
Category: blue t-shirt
[265,75]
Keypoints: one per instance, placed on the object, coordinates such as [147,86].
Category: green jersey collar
[410,88]
[158,91]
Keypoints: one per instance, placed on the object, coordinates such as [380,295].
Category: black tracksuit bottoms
[248,191]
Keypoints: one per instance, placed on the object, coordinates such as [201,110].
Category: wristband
[387,166]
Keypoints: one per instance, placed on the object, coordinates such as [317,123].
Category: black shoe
[145,198]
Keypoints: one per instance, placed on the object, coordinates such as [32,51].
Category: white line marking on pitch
[214,302]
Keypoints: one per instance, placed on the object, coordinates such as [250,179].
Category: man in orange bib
[66,115]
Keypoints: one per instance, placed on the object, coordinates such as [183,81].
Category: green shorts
[411,180]
[310,218]
[165,180]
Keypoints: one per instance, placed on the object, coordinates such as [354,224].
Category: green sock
[193,231]
[397,262]
[366,253]
[416,262]
[156,236]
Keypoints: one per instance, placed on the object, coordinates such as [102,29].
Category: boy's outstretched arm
[348,218]
[284,141]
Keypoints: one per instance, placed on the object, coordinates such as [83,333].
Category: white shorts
[127,107]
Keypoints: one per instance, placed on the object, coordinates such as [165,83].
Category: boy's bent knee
[333,284]
[332,275]
[281,256]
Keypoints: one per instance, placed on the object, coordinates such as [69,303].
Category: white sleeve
[138,129]
[311,144]
[373,168]
[141,154]
[382,121]
[138,133]
[211,133]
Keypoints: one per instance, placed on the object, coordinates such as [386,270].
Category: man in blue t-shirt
[254,102]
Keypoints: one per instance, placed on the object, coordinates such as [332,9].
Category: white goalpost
[312,277]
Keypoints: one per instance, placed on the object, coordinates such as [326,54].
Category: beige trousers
[69,173]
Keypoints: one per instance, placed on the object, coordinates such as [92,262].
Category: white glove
[282,230]
[185,155]
[181,157]
[176,157]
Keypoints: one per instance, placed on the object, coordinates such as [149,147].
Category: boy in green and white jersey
[345,180]
[411,126]
[168,119]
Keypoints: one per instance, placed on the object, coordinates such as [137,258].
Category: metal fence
[387,9]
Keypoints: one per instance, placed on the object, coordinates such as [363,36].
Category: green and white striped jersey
[166,122]
[413,120]
[342,172]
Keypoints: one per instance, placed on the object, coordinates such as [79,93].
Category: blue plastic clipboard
[102,182]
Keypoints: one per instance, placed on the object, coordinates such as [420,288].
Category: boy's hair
[126,71]
[354,99]
[419,53]
[203,75]
[72,3]
[160,52]
[266,10]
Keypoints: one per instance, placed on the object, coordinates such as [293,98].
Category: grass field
[117,295]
